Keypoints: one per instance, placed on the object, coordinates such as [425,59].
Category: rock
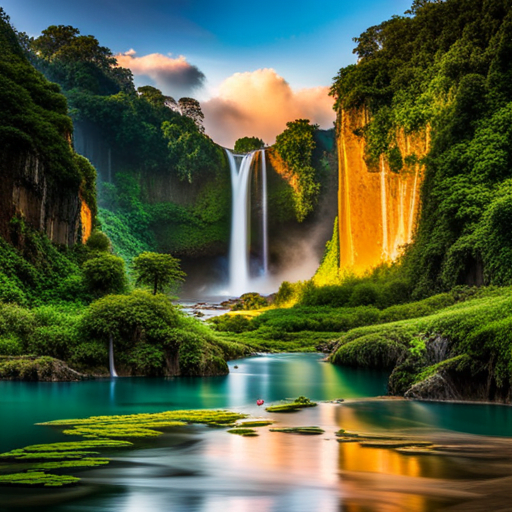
[32,368]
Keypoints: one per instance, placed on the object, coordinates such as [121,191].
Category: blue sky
[305,43]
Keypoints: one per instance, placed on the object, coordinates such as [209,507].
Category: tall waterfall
[239,265]
[264,208]
[112,368]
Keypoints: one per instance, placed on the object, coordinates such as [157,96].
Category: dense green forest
[66,302]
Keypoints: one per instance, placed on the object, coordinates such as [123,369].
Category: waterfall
[413,206]
[111,357]
[264,214]
[240,166]
[384,209]
[239,279]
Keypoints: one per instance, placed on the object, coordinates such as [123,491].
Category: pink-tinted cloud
[175,77]
[259,104]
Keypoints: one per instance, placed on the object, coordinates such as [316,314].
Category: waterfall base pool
[205,470]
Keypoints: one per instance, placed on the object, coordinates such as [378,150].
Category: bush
[104,274]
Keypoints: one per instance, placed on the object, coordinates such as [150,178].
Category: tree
[246,144]
[160,271]
[190,107]
[105,274]
[295,146]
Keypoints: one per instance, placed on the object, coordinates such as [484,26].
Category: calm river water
[207,470]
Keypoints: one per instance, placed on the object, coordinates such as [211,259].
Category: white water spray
[264,207]
[239,278]
[111,357]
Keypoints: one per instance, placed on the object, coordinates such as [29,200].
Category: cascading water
[239,269]
[384,211]
[111,357]
[239,277]
[264,214]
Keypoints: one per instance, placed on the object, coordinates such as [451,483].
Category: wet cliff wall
[377,207]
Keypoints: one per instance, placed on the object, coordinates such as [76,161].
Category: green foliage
[191,152]
[99,241]
[299,403]
[33,116]
[445,70]
[295,146]
[104,274]
[475,332]
[247,144]
[78,62]
[161,272]
[250,301]
[328,271]
[37,479]
[308,431]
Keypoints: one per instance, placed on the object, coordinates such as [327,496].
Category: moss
[44,456]
[299,403]
[245,432]
[393,444]
[67,464]
[262,423]
[299,430]
[37,479]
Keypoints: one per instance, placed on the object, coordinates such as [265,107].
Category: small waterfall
[384,209]
[239,278]
[111,357]
[413,206]
[401,235]
[264,215]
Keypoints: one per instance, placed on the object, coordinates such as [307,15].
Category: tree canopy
[159,271]
[246,144]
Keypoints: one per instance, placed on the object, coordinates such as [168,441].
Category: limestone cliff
[377,207]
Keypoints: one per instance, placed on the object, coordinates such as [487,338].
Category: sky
[253,66]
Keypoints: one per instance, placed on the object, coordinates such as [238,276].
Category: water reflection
[207,470]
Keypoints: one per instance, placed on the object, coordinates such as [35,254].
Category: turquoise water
[270,377]
[198,469]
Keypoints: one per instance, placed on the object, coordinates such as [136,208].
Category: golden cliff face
[377,208]
[85,220]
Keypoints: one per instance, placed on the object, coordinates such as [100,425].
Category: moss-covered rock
[32,368]
[299,403]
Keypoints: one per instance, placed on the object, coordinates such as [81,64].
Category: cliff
[26,192]
[377,207]
[42,179]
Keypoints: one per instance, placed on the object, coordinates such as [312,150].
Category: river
[198,469]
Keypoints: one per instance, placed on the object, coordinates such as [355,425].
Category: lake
[205,470]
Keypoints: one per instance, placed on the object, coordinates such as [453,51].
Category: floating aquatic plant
[299,430]
[299,403]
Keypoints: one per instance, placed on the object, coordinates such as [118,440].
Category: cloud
[259,104]
[174,76]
